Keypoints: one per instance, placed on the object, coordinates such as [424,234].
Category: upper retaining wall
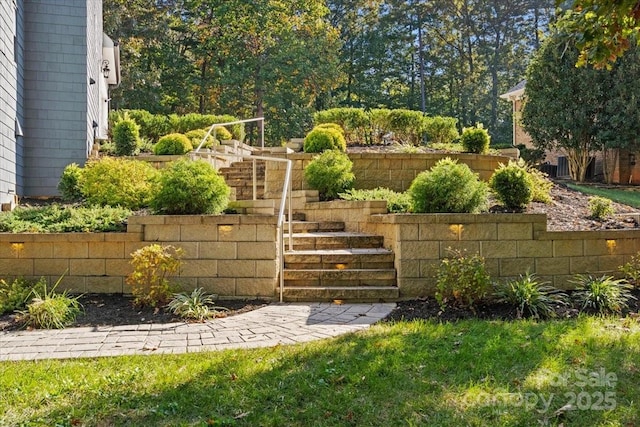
[391,170]
[233,256]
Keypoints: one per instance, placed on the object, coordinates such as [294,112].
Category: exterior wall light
[105,69]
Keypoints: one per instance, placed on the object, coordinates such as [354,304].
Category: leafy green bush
[153,265]
[441,130]
[68,185]
[117,182]
[14,295]
[330,173]
[396,202]
[600,208]
[353,121]
[540,185]
[448,187]
[197,135]
[50,310]
[406,125]
[333,126]
[533,156]
[190,187]
[475,139]
[530,297]
[126,136]
[63,219]
[631,270]
[511,184]
[602,294]
[462,280]
[379,122]
[221,133]
[321,139]
[197,306]
[172,144]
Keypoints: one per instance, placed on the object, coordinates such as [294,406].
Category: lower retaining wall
[511,244]
[234,256]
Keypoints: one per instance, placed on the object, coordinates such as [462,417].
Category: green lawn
[627,197]
[476,373]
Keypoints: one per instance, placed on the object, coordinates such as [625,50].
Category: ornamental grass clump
[198,305]
[49,309]
[448,187]
[603,295]
[530,297]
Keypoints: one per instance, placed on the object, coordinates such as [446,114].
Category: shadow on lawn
[415,373]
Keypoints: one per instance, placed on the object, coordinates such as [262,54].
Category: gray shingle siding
[45,85]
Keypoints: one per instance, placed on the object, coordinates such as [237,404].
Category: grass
[472,373]
[626,197]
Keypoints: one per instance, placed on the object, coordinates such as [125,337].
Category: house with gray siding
[56,66]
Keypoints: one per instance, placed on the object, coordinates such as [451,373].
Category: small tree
[126,136]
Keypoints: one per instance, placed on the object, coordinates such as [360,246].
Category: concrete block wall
[392,170]
[511,244]
[234,256]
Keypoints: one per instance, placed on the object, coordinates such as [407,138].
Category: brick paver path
[268,326]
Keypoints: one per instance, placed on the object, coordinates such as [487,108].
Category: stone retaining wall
[234,256]
[391,170]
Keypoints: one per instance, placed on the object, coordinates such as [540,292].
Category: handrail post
[255,179]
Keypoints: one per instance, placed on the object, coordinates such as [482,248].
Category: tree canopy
[601,29]
[581,110]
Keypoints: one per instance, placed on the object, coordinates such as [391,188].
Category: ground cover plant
[471,372]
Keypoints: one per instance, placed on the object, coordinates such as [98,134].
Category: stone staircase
[328,263]
[239,176]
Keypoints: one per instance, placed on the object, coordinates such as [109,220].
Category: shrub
[475,140]
[126,136]
[196,306]
[540,185]
[189,187]
[117,182]
[221,133]
[406,125]
[172,144]
[333,126]
[379,118]
[321,139]
[600,208]
[354,122]
[441,130]
[330,173]
[152,267]
[462,280]
[602,294]
[197,135]
[396,202]
[531,297]
[448,187]
[532,156]
[511,184]
[68,185]
[61,219]
[15,294]
[631,270]
[50,310]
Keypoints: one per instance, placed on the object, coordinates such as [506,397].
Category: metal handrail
[286,192]
[235,122]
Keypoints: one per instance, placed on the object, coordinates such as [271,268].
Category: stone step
[334,240]
[351,294]
[301,226]
[340,259]
[339,278]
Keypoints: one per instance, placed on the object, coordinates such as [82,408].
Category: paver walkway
[268,326]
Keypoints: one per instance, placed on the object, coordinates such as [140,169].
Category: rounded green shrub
[512,186]
[448,187]
[173,144]
[330,173]
[126,136]
[117,182]
[68,185]
[222,134]
[333,126]
[189,187]
[475,140]
[321,139]
[197,135]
